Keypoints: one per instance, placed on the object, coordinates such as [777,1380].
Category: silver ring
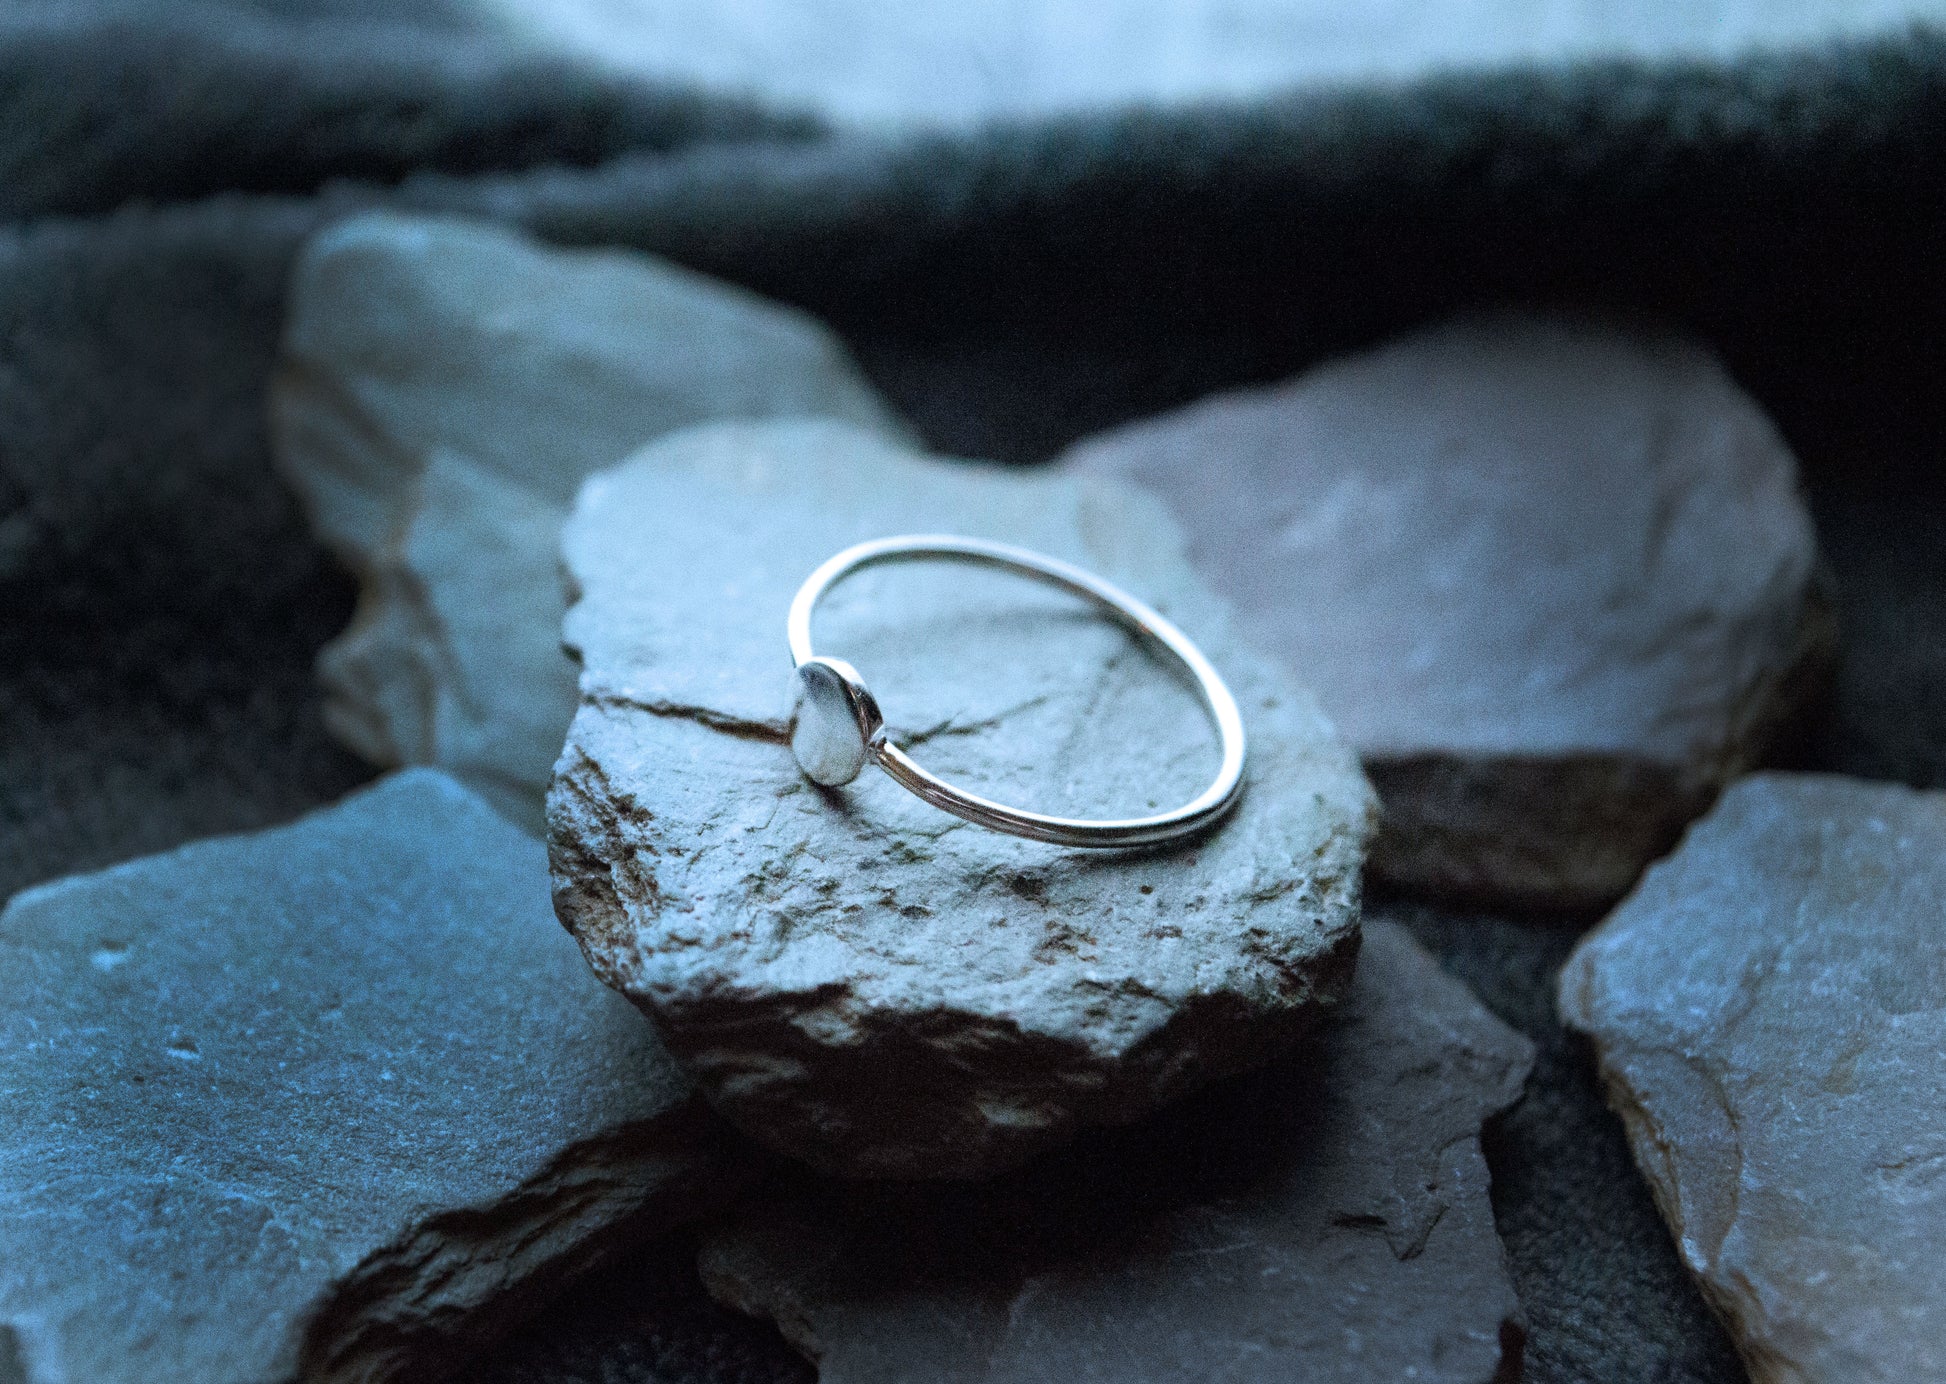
[836,724]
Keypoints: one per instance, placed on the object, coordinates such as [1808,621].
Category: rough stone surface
[330,1100]
[1553,580]
[1770,1011]
[160,686]
[1604,1294]
[443,388]
[856,977]
[1324,1219]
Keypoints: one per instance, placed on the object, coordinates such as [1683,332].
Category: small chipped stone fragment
[333,1101]
[443,388]
[1326,1219]
[855,977]
[1769,1010]
[1553,580]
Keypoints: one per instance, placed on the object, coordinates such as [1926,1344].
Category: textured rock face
[1325,1219]
[1553,581]
[854,976]
[443,389]
[324,1100]
[1770,1012]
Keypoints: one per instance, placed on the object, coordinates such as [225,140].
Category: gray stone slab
[442,389]
[1769,1008]
[1326,1219]
[1553,580]
[856,977]
[336,1099]
[1604,1294]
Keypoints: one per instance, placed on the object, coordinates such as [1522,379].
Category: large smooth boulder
[1553,579]
[855,977]
[443,388]
[336,1100]
[1769,1009]
[1326,1219]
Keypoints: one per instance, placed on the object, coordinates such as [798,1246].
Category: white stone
[443,388]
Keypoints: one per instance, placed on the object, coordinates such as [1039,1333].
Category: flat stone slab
[1769,1008]
[333,1100]
[443,388]
[1324,1219]
[855,977]
[1553,580]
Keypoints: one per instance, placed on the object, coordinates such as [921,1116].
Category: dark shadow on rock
[644,1321]
[1098,1198]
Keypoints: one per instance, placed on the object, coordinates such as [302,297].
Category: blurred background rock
[949,62]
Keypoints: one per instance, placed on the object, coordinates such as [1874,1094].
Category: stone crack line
[950,726]
[743,728]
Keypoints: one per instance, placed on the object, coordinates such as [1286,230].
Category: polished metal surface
[838,726]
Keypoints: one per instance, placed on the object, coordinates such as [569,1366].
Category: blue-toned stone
[1552,578]
[856,977]
[443,388]
[1769,1008]
[334,1100]
[1326,1219]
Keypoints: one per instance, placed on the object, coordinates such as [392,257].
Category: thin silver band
[830,691]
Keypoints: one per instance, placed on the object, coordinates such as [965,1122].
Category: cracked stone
[1769,1010]
[443,389]
[334,1100]
[1553,580]
[1324,1219]
[855,977]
